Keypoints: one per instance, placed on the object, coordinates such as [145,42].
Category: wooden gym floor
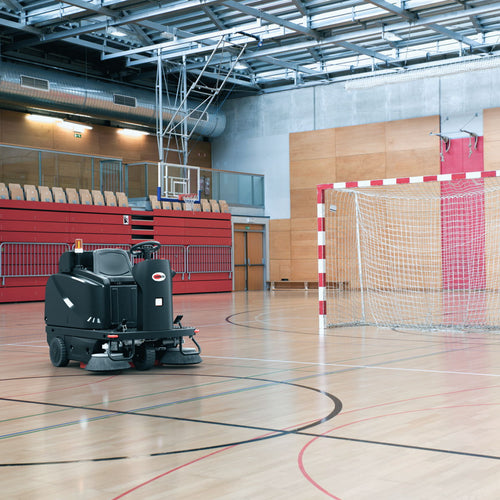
[274,411]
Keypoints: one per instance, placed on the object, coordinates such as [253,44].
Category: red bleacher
[50,222]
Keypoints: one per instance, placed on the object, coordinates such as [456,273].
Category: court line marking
[343,365]
[300,457]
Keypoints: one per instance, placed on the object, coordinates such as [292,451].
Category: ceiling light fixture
[74,127]
[240,65]
[43,118]
[391,37]
[131,132]
[116,32]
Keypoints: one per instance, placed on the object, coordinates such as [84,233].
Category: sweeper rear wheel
[58,352]
[144,358]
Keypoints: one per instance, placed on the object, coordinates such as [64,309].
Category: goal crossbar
[455,212]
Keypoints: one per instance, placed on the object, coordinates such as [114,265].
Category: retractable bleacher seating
[4,192]
[59,195]
[72,196]
[205,205]
[224,207]
[45,194]
[110,199]
[155,204]
[31,193]
[16,191]
[214,206]
[85,197]
[97,198]
[121,199]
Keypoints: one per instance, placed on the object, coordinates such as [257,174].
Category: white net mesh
[421,255]
[189,201]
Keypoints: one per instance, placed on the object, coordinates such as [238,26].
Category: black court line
[414,447]
[270,432]
[273,433]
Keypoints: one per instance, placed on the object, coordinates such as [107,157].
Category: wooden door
[248,257]
[240,261]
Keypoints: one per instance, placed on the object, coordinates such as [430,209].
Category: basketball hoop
[189,200]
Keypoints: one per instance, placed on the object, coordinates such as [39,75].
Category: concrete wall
[256,136]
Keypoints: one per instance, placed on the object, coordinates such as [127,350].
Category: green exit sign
[78,135]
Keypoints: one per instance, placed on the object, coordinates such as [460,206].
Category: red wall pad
[43,223]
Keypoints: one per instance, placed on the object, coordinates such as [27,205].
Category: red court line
[198,460]
[135,488]
[300,458]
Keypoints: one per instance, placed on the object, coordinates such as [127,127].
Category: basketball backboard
[177,180]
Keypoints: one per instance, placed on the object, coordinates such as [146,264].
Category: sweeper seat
[112,263]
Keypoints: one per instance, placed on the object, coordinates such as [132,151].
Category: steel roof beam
[451,34]
[406,14]
[259,14]
[89,6]
[208,11]
[13,4]
[20,26]
[411,16]
[217,76]
[367,52]
[131,18]
[300,7]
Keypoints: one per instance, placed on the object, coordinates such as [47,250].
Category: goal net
[419,252]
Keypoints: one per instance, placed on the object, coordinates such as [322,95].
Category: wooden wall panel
[360,167]
[312,144]
[304,245]
[279,249]
[65,140]
[310,173]
[304,270]
[279,241]
[279,270]
[304,224]
[491,125]
[303,203]
[412,162]
[374,151]
[21,131]
[16,130]
[360,139]
[491,156]
[412,134]
[491,130]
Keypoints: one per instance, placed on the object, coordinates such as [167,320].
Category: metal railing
[29,259]
[208,259]
[24,260]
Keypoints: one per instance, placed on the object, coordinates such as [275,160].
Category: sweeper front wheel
[144,357]
[58,352]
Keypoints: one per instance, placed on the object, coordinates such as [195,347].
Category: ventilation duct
[35,87]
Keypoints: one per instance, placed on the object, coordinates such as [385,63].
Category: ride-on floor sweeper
[107,314]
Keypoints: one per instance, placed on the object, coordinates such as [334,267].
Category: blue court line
[235,391]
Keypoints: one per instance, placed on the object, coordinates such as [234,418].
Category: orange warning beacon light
[78,245]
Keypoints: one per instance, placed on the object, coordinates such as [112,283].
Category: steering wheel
[145,249]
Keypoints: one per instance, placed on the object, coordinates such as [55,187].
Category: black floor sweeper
[109,315]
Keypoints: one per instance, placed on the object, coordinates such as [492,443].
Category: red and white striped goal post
[321,188]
